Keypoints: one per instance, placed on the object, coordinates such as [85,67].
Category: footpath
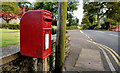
[84,55]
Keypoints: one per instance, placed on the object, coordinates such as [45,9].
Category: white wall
[17,21]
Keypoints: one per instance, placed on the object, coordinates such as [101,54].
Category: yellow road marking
[106,48]
[112,51]
[109,49]
[117,61]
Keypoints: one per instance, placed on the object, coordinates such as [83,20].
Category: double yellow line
[109,50]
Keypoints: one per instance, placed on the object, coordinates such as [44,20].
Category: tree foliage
[105,11]
[10,10]
[53,7]
[95,8]
[12,7]
[72,20]
[113,11]
[26,5]
[72,6]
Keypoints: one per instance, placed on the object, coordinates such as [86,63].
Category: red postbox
[35,34]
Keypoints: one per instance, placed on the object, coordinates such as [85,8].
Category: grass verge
[9,37]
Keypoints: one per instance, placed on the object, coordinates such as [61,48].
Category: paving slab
[90,59]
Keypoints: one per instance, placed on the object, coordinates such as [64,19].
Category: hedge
[71,27]
[17,26]
[9,26]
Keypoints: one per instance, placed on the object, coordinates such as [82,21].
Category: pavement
[9,50]
[85,56]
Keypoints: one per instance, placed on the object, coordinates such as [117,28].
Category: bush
[103,26]
[71,27]
[97,28]
[10,26]
[92,26]
[54,28]
[3,25]
[84,26]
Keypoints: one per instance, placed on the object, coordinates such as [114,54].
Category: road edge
[111,67]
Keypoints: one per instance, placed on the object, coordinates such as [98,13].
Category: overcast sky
[78,13]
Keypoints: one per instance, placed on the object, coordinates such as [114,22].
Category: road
[109,39]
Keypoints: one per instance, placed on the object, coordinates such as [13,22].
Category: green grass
[9,37]
[7,30]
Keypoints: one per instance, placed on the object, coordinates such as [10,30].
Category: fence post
[40,65]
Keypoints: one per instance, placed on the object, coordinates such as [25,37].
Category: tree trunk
[7,21]
[98,20]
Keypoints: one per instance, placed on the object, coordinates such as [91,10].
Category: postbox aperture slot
[48,19]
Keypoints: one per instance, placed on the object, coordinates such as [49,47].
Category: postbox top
[42,18]
[40,10]
[45,12]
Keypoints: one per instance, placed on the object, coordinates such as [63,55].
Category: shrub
[97,28]
[71,27]
[54,28]
[84,26]
[103,26]
[4,25]
[92,26]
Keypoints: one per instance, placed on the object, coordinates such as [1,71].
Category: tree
[69,18]
[95,8]
[25,5]
[12,7]
[85,20]
[10,10]
[113,11]
[72,6]
[50,6]
[76,20]
[110,10]
[72,20]
[53,7]
[91,19]
[7,16]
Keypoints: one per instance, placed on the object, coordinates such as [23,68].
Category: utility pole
[60,39]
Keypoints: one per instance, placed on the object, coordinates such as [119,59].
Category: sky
[78,13]
[31,1]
